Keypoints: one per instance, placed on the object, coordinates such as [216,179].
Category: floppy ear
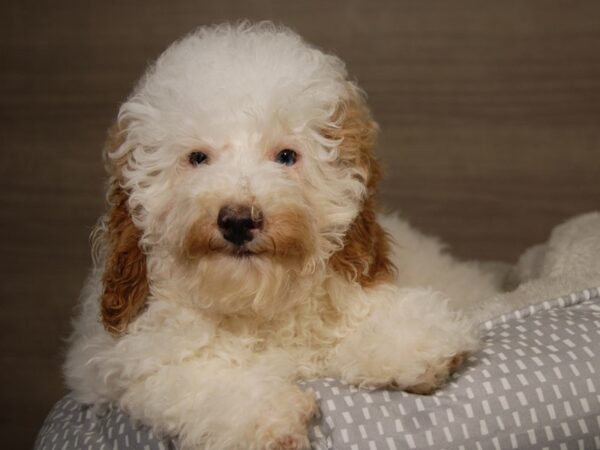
[125,285]
[364,256]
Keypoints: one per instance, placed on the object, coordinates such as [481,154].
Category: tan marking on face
[286,235]
[202,239]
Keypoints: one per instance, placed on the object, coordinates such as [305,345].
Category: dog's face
[244,159]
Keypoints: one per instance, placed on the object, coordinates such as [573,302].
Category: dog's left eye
[197,158]
[287,157]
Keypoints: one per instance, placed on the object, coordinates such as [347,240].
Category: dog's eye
[287,157]
[197,158]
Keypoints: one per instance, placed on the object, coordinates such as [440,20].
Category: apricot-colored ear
[125,285]
[124,280]
[364,256]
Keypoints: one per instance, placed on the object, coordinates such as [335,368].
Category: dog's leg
[172,372]
[411,341]
[212,404]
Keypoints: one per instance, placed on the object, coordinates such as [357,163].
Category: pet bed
[535,383]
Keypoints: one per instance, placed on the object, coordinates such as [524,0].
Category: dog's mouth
[286,237]
[242,253]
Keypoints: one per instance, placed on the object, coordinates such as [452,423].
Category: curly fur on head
[318,216]
[225,271]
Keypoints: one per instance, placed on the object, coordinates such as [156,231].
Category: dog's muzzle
[239,223]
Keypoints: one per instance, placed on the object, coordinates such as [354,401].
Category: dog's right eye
[287,157]
[197,158]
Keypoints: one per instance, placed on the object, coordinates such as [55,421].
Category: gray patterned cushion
[535,384]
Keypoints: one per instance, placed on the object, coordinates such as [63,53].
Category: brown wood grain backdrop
[490,114]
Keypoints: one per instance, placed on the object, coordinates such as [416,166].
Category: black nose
[237,222]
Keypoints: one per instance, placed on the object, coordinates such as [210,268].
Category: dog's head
[241,167]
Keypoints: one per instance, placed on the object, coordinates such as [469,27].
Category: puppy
[241,251]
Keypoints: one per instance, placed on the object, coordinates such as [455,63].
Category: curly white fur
[214,356]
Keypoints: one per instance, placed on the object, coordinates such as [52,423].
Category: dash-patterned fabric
[534,385]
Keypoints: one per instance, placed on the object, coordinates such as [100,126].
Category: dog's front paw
[435,375]
[411,375]
[284,426]
[412,344]
[289,442]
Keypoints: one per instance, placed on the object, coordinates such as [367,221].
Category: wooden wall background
[491,134]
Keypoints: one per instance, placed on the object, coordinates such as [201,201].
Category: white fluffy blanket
[568,262]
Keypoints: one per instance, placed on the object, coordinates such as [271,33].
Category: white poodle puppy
[241,251]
